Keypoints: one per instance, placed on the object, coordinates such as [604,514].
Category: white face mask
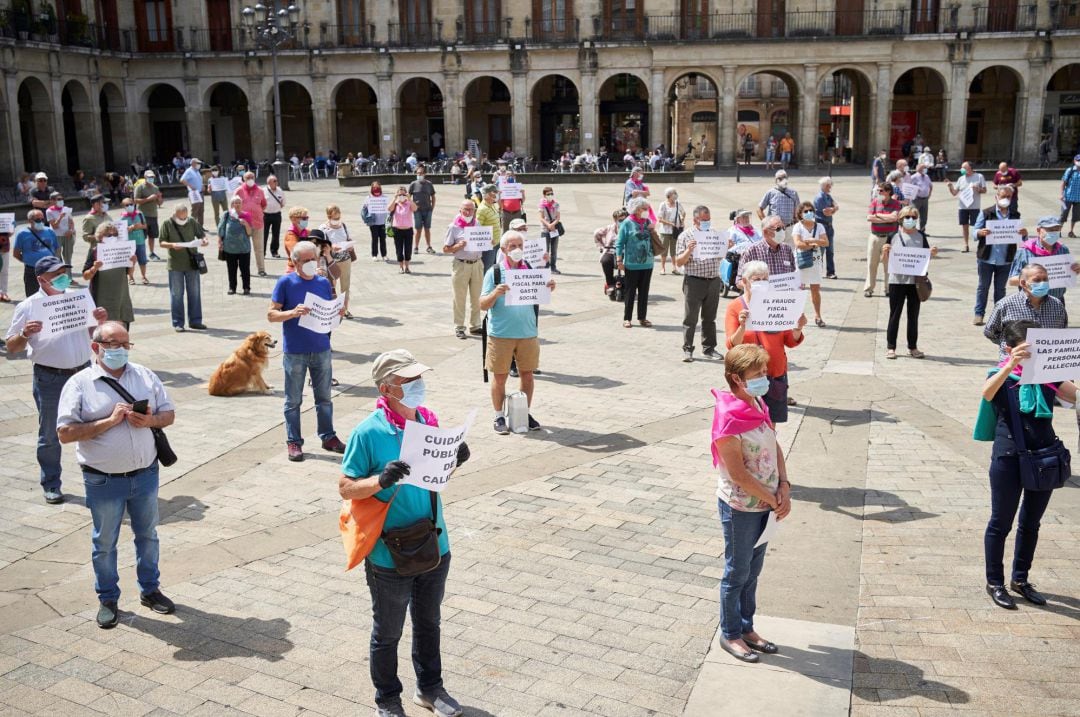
[309,268]
[215,173]
[180,221]
[1004,202]
[782,184]
[249,182]
[516,255]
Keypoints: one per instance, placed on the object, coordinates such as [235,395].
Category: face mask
[114,358]
[39,226]
[413,393]
[335,223]
[249,182]
[759,284]
[1076,164]
[910,222]
[758,386]
[105,207]
[516,255]
[1052,237]
[1039,288]
[59,202]
[962,171]
[233,213]
[1004,203]
[180,221]
[61,283]
[808,216]
[884,198]
[309,268]
[782,183]
[705,225]
[302,223]
[215,173]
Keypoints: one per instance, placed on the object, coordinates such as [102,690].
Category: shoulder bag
[1044,468]
[165,454]
[415,548]
[923,286]
[361,523]
[804,258]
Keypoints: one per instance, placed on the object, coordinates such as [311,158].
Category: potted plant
[78,29]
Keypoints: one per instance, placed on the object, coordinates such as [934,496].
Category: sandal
[131,282]
[890,353]
[646,323]
[965,250]
[916,353]
[792,402]
[820,322]
[146,282]
[627,325]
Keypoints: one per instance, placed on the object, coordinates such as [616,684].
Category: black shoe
[247,292]
[537,372]
[1001,596]
[158,603]
[198,327]
[737,653]
[514,372]
[107,616]
[711,353]
[476,332]
[231,292]
[1028,591]
[262,273]
[500,426]
[534,425]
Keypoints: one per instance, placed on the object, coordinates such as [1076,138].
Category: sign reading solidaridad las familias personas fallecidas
[1055,356]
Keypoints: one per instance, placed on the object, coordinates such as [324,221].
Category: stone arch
[992,105]
[77,113]
[230,122]
[421,117]
[918,107]
[149,90]
[556,116]
[846,101]
[487,114]
[693,111]
[167,116]
[356,116]
[297,117]
[116,151]
[624,112]
[36,127]
[779,108]
[1064,127]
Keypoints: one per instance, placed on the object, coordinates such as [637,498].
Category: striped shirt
[1050,313]
[701,268]
[781,203]
[781,258]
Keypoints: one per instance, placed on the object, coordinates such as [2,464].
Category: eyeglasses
[115,344]
[304,217]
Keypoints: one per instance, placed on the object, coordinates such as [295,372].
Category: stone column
[137,123]
[807,149]
[589,109]
[94,155]
[262,135]
[453,119]
[657,109]
[955,110]
[198,121]
[59,145]
[1027,132]
[320,111]
[726,124]
[388,113]
[520,113]
[15,162]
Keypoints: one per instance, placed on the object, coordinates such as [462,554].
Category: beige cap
[41,175]
[398,362]
[517,224]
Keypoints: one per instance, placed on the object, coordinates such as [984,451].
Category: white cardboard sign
[377,205]
[527,286]
[909,191]
[1003,231]
[534,252]
[1055,356]
[234,184]
[62,313]
[478,238]
[121,228]
[1058,270]
[7,223]
[710,245]
[911,261]
[115,254]
[792,281]
[194,197]
[325,314]
[218,184]
[432,453]
[509,190]
[772,310]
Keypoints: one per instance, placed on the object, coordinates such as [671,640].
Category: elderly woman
[550,222]
[373,214]
[337,234]
[1007,405]
[297,231]
[634,257]
[184,277]
[605,238]
[902,289]
[234,241]
[401,208]
[254,204]
[824,209]
[775,343]
[136,222]
[109,287]
[670,223]
[753,481]
[275,203]
[219,198]
[810,236]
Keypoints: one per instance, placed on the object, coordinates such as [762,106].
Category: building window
[351,13]
[563,89]
[704,89]
[624,17]
[749,87]
[482,17]
[157,25]
[153,20]
[552,18]
[415,12]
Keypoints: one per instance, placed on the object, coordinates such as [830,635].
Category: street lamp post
[272,27]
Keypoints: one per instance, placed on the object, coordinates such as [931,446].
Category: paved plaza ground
[586,557]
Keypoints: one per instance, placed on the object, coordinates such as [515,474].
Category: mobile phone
[140,406]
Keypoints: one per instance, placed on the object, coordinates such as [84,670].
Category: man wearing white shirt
[921,179]
[969,201]
[192,179]
[59,218]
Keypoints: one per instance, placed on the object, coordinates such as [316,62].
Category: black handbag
[415,548]
[165,454]
[199,260]
[1043,468]
[619,294]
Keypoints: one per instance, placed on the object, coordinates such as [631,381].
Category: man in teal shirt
[371,467]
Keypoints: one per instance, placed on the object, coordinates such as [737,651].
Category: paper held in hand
[62,313]
[218,184]
[325,314]
[432,453]
[967,196]
[7,223]
[1058,269]
[710,245]
[377,205]
[478,239]
[194,197]
[911,261]
[771,528]
[193,244]
[527,286]
[1003,231]
[234,184]
[1055,356]
[772,310]
[909,191]
[534,252]
[115,254]
[121,228]
[792,281]
[509,190]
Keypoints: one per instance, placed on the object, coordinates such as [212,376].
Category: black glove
[463,453]
[392,473]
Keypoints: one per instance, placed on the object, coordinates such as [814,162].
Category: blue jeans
[297,366]
[785,158]
[47,386]
[107,498]
[391,596]
[742,565]
[179,283]
[830,264]
[999,274]
[1005,493]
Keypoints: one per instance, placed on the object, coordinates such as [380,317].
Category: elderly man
[1048,243]
[824,209]
[466,273]
[60,221]
[780,202]
[1007,176]
[777,255]
[254,203]
[512,208]
[1032,302]
[512,330]
[148,198]
[994,260]
[99,214]
[488,214]
[372,468]
[968,203]
[184,277]
[701,288]
[56,358]
[921,201]
[108,410]
[883,217]
[41,194]
[422,192]
[33,244]
[306,351]
[192,180]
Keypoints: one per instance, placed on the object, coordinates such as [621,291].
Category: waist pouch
[415,547]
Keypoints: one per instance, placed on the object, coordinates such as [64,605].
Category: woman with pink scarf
[1047,243]
[752,484]
[551,223]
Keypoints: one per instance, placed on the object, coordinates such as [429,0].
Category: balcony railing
[554,32]
[1010,18]
[418,35]
[356,35]
[620,27]
[1067,15]
[483,32]
[826,23]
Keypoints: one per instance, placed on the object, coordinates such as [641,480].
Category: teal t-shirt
[373,444]
[508,322]
[136,235]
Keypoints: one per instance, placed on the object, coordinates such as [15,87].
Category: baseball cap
[196,160]
[56,195]
[97,198]
[517,224]
[148,174]
[1076,158]
[40,175]
[1049,222]
[49,264]
[742,213]
[398,362]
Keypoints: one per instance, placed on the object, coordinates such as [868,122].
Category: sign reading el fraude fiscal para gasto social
[772,310]
[59,314]
[1055,356]
[527,286]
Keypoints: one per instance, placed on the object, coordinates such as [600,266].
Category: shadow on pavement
[353,357]
[838,500]
[203,636]
[570,379]
[846,416]
[181,508]
[384,321]
[1062,605]
[179,380]
[585,440]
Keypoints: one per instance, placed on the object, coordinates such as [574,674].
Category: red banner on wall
[903,127]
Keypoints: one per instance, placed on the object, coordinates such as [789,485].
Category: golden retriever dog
[243,370]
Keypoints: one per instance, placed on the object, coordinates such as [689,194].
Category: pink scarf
[459,221]
[398,421]
[1036,247]
[732,416]
[747,229]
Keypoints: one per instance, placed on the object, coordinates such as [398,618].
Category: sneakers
[460,333]
[439,702]
[687,356]
[52,497]
[333,445]
[179,329]
[158,603]
[500,425]
[296,453]
[107,616]
[978,320]
[394,709]
[712,354]
[534,425]
[430,250]
[155,257]
[514,372]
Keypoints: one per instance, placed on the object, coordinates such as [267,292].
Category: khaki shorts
[501,351]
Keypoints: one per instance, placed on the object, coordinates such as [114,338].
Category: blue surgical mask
[758,386]
[808,216]
[39,226]
[910,222]
[114,358]
[302,223]
[1052,237]
[413,393]
[62,282]
[1039,288]
[705,225]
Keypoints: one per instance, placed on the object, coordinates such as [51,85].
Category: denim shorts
[140,254]
[422,219]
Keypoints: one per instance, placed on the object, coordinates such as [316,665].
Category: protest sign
[527,286]
[115,254]
[710,245]
[791,281]
[61,313]
[234,184]
[909,260]
[967,196]
[431,453]
[534,252]
[121,228]
[1058,269]
[218,184]
[377,205]
[478,238]
[7,223]
[909,191]
[772,310]
[1055,356]
[325,314]
[509,190]
[194,197]
[1003,231]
